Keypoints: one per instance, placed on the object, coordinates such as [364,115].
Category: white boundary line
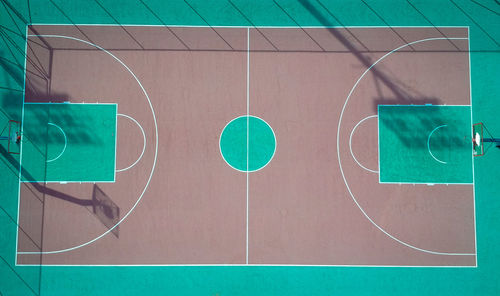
[242,27]
[256,265]
[248,138]
[426,183]
[67,103]
[473,158]
[71,181]
[65,142]
[378,143]
[116,140]
[340,162]
[21,149]
[155,155]
[429,143]
[423,105]
[143,146]
[350,144]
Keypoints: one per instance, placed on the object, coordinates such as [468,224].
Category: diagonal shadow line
[38,67]
[41,70]
[28,81]
[485,7]
[18,14]
[19,227]
[40,198]
[165,25]
[364,60]
[10,69]
[7,115]
[119,24]
[476,23]
[42,39]
[255,27]
[486,129]
[13,89]
[429,21]
[88,204]
[48,79]
[346,28]
[71,21]
[263,50]
[3,36]
[218,34]
[314,40]
[19,276]
[387,24]
[44,43]
[378,88]
[13,32]
[4,128]
[40,188]
[29,10]
[14,64]
[11,53]
[12,168]
[5,4]
[490,143]
[488,148]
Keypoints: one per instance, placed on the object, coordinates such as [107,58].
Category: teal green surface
[247,132]
[69,142]
[481,16]
[425,144]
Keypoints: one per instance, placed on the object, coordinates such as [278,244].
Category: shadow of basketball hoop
[105,209]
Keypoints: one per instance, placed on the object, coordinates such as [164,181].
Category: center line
[248,121]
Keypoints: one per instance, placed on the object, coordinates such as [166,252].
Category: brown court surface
[194,207]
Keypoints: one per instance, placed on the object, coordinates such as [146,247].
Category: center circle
[247,143]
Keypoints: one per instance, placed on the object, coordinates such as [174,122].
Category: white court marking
[155,156]
[429,144]
[143,137]
[248,140]
[340,161]
[240,27]
[19,176]
[65,142]
[472,155]
[350,144]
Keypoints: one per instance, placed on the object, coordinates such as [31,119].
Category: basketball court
[227,152]
[246,146]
